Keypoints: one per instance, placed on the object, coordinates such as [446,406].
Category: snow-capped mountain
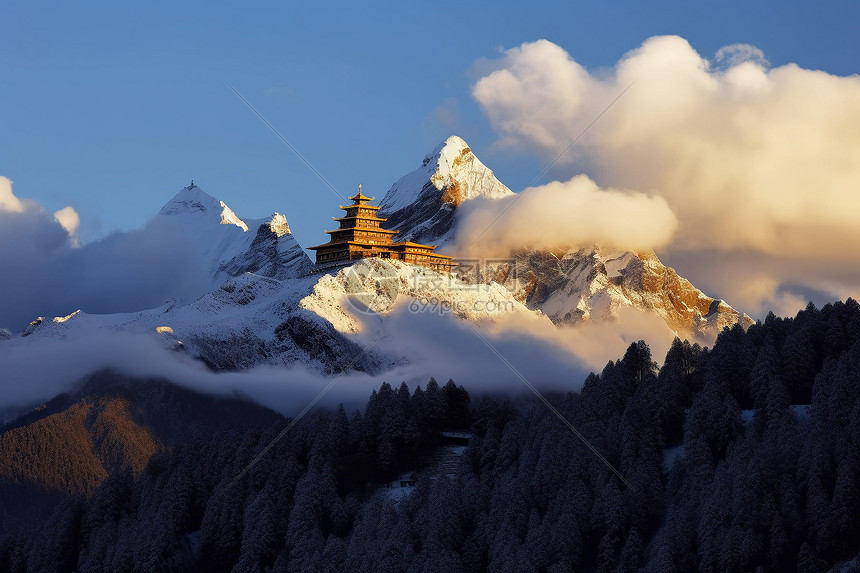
[595,283]
[209,225]
[270,305]
[231,246]
[422,204]
[591,283]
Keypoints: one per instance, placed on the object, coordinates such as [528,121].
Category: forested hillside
[742,457]
[110,424]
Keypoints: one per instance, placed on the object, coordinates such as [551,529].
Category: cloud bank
[439,345]
[36,369]
[751,159]
[46,273]
[565,214]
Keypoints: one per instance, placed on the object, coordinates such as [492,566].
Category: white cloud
[591,344]
[68,218]
[36,369]
[566,214]
[537,95]
[8,201]
[750,159]
[552,359]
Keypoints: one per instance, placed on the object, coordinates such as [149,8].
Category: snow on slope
[422,204]
[245,322]
[312,320]
[231,246]
[376,285]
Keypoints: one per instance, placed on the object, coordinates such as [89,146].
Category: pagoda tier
[374,229]
[366,222]
[348,217]
[361,236]
[357,204]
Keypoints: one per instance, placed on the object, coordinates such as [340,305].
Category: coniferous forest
[739,457]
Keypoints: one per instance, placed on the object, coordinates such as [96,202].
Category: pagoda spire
[360,197]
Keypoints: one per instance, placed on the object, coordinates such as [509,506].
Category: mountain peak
[450,149]
[422,203]
[194,200]
[190,198]
[278,224]
[462,176]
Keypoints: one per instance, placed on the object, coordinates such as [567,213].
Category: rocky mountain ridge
[231,246]
[595,283]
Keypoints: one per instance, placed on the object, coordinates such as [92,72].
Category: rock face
[319,339]
[422,204]
[273,253]
[595,283]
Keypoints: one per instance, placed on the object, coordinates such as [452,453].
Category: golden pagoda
[361,235]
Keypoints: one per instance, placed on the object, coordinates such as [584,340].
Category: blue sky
[112,108]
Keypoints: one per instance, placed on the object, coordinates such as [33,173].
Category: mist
[47,273]
[436,344]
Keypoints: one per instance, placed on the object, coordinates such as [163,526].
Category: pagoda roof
[371,218]
[374,229]
[411,244]
[414,244]
[341,243]
[360,197]
[362,205]
[382,247]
